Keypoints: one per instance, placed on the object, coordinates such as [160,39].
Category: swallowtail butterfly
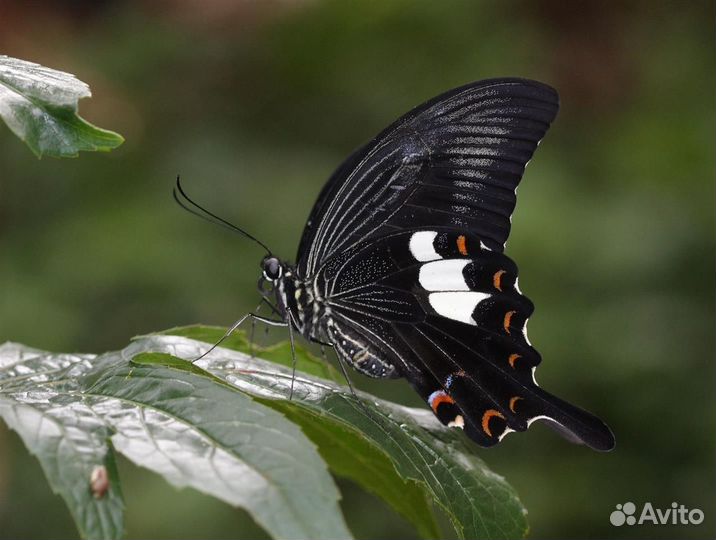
[401,266]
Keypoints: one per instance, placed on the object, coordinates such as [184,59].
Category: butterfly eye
[272,268]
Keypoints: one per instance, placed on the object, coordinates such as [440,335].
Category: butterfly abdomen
[359,352]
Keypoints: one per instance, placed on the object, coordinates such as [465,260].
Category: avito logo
[678,514]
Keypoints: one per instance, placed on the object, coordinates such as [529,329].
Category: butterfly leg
[362,405]
[267,328]
[293,360]
[344,371]
[252,349]
[233,328]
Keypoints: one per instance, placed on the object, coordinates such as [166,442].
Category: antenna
[182,198]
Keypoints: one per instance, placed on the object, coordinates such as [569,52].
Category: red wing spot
[486,420]
[497,280]
[439,398]
[506,322]
[513,402]
[512,359]
[462,245]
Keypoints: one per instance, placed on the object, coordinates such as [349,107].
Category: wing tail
[573,423]
[495,400]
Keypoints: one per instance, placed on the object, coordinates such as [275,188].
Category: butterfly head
[273,273]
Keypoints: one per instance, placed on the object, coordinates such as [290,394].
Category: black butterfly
[401,266]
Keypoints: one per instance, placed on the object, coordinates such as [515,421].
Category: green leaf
[170,417]
[39,105]
[38,399]
[388,449]
[225,426]
[280,354]
[352,456]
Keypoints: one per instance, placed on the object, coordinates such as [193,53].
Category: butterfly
[401,266]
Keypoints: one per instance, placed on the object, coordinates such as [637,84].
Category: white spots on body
[282,292]
[361,356]
[457,306]
[316,293]
[421,246]
[316,313]
[445,275]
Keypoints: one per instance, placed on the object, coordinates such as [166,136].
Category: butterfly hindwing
[469,357]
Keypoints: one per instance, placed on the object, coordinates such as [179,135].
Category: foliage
[225,426]
[39,105]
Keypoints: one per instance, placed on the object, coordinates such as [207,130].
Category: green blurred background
[254,103]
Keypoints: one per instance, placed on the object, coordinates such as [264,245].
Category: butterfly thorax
[299,301]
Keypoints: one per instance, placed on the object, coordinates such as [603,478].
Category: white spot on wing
[444,275]
[524,333]
[457,305]
[506,432]
[459,422]
[540,417]
[421,246]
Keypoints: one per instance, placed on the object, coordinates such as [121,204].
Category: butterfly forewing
[454,161]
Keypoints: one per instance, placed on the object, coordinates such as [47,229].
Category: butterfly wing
[444,312]
[454,161]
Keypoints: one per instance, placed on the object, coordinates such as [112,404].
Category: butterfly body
[401,266]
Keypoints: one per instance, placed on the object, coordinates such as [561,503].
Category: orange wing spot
[438,399]
[497,280]
[462,245]
[506,322]
[513,402]
[512,359]
[486,420]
